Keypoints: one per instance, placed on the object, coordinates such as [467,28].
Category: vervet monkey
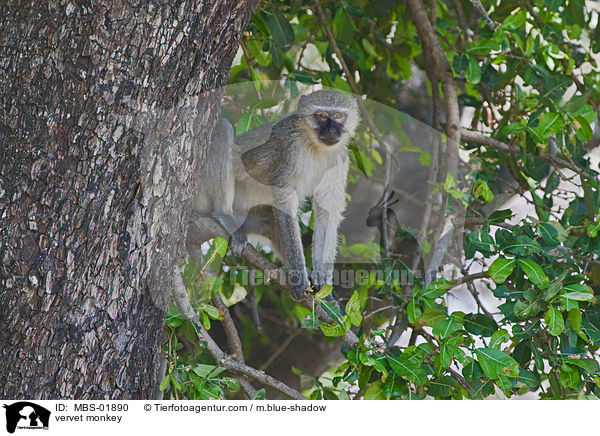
[254,185]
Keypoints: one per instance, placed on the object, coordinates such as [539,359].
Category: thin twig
[280,349]
[491,23]
[381,309]
[475,294]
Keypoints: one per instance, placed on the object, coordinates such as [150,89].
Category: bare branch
[491,23]
[233,338]
[480,138]
[235,344]
[468,279]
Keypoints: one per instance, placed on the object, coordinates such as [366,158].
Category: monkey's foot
[237,243]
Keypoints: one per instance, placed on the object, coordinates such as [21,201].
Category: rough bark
[99,102]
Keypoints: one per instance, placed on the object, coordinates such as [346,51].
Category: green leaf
[413,311]
[437,288]
[534,272]
[585,132]
[408,369]
[445,328]
[504,384]
[175,382]
[164,384]
[549,233]
[432,316]
[554,321]
[527,378]
[332,309]
[353,309]
[260,394]
[281,29]
[562,233]
[553,289]
[303,76]
[498,338]
[481,389]
[238,294]
[443,386]
[574,318]
[375,391]
[494,362]
[483,191]
[591,366]
[473,73]
[483,47]
[591,330]
[482,241]
[324,291]
[501,268]
[334,329]
[244,124]
[513,22]
[204,371]
[525,308]
[425,158]
[472,371]
[460,63]
[211,311]
[578,296]
[550,123]
[578,292]
[523,246]
[513,128]
[479,324]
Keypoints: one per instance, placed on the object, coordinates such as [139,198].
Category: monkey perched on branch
[252,186]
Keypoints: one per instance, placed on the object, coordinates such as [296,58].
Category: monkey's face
[329,126]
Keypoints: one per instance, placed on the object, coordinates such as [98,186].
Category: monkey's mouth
[329,139]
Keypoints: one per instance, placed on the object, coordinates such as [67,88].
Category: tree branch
[183,303]
[235,344]
[233,338]
[480,138]
[491,23]
[442,72]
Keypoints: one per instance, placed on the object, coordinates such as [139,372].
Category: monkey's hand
[237,242]
[299,285]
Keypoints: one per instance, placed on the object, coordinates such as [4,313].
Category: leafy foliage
[524,81]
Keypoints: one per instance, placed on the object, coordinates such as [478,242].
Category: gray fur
[255,185]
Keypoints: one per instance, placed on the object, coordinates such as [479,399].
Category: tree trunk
[100,103]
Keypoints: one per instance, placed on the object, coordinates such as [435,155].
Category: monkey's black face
[330,126]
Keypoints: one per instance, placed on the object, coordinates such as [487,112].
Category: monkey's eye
[339,116]
[322,115]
